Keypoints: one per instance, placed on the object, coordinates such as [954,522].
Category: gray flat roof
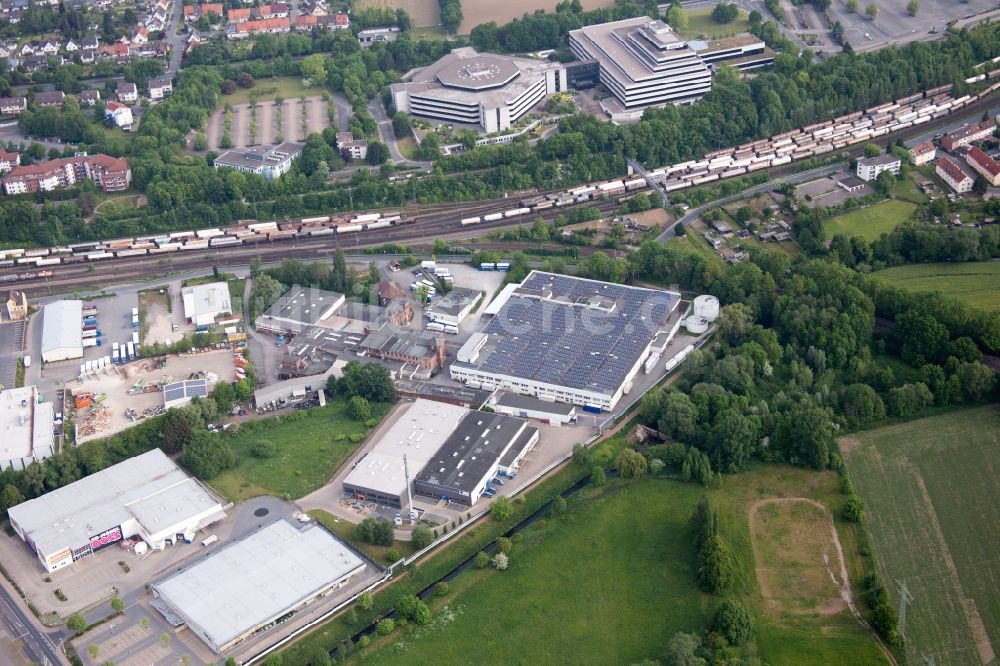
[254,581]
[517,401]
[259,156]
[881,160]
[455,301]
[67,517]
[479,72]
[62,325]
[467,77]
[573,332]
[476,446]
[306,306]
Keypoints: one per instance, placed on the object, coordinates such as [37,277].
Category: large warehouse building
[62,331]
[492,91]
[569,339]
[226,597]
[25,427]
[481,446]
[299,309]
[417,434]
[147,495]
[451,452]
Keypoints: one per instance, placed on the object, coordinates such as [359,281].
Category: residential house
[118,113]
[12,106]
[952,174]
[357,149]
[160,88]
[8,160]
[17,305]
[54,98]
[71,46]
[314,8]
[127,93]
[48,47]
[276,10]
[968,134]
[870,168]
[117,52]
[4,51]
[90,43]
[36,63]
[89,97]
[985,165]
[27,49]
[111,174]
[140,36]
[271,26]
[87,56]
[923,153]
[240,15]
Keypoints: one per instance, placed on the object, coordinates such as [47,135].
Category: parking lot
[895,24]
[11,341]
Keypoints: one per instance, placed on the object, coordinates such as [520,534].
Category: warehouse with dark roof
[482,446]
[568,339]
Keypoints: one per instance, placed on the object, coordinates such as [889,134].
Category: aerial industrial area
[351,332]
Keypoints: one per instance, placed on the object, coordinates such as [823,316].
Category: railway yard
[314,235]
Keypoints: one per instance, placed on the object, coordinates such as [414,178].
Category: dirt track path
[844,582]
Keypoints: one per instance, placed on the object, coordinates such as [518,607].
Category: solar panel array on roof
[189,388]
[573,332]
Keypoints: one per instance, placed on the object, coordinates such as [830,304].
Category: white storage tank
[706,307]
[696,325]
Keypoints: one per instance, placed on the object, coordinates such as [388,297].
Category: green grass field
[933,507]
[288,87]
[608,585]
[870,222]
[975,283]
[700,22]
[613,580]
[308,452]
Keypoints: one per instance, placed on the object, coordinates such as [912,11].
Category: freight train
[803,143]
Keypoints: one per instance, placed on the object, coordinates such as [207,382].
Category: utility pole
[904,598]
[409,497]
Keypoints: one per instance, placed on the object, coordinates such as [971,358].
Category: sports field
[613,580]
[870,222]
[309,446]
[933,503]
[976,283]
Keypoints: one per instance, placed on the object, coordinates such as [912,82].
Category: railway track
[424,224]
[80,277]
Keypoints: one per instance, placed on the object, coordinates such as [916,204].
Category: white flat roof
[257,579]
[25,425]
[418,433]
[62,323]
[501,298]
[205,299]
[147,487]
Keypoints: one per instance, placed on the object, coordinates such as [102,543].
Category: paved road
[40,646]
[769,186]
[177,42]
[388,137]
